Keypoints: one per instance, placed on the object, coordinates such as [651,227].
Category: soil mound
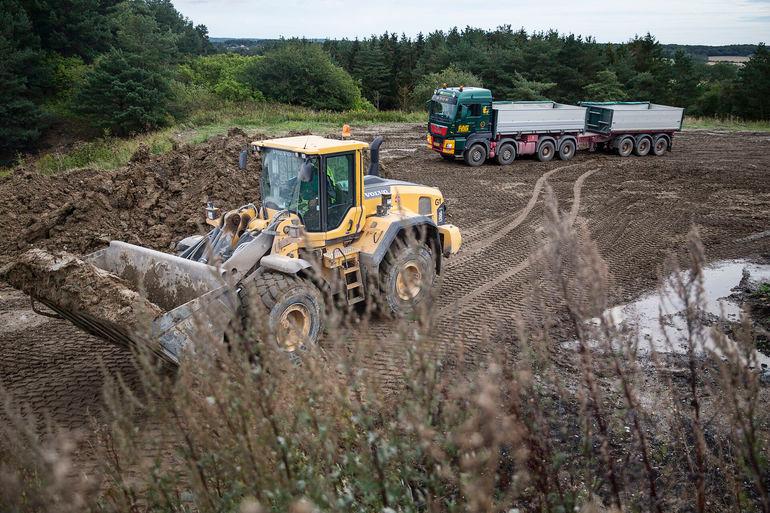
[153,201]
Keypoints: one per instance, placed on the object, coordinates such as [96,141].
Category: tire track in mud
[478,245]
[462,303]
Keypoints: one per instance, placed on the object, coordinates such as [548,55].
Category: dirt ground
[638,210]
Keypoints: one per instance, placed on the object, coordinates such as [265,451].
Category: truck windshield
[281,187]
[443,106]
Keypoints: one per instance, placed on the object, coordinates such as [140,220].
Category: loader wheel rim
[294,326]
[409,281]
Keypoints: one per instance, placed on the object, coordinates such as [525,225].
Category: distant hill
[703,52]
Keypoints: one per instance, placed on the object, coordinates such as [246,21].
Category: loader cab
[319,180]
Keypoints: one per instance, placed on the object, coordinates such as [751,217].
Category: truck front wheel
[475,155]
[506,154]
[567,149]
[545,151]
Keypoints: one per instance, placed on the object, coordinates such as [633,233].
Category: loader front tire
[407,279]
[293,307]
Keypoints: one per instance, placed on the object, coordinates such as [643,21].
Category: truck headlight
[441,214]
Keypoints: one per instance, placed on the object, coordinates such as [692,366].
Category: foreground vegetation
[526,423]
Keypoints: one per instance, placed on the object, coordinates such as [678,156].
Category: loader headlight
[441,214]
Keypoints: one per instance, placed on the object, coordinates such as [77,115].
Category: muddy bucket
[131,295]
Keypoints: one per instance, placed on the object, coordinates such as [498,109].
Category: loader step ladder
[354,285]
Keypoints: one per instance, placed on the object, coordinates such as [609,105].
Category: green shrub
[303,74]
[451,76]
[122,95]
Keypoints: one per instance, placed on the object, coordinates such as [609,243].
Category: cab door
[339,198]
[475,118]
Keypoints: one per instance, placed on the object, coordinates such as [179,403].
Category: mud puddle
[724,283]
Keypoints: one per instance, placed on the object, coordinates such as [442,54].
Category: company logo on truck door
[463,128]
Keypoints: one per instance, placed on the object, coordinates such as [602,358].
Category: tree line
[126,66]
[562,67]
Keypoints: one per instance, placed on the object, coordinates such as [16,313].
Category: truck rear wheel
[475,155]
[293,310]
[407,278]
[546,151]
[660,146]
[642,146]
[625,146]
[567,149]
[506,154]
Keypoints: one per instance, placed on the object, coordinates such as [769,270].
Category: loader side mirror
[243,159]
[306,172]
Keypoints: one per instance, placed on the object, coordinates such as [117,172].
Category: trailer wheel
[660,146]
[642,146]
[506,154]
[289,307]
[625,147]
[567,149]
[545,151]
[475,155]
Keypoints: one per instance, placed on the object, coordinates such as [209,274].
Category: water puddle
[719,282]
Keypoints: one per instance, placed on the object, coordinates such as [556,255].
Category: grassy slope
[270,119]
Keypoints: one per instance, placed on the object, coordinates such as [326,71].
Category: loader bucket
[160,301]
[197,300]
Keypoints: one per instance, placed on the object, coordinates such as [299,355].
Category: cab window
[339,188]
[308,206]
[474,110]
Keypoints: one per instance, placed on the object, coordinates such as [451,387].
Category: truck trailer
[465,122]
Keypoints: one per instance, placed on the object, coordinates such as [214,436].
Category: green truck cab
[458,116]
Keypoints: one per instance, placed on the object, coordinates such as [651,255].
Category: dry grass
[534,424]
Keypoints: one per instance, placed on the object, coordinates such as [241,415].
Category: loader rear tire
[285,308]
[407,279]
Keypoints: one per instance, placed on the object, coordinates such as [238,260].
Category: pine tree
[20,116]
[754,86]
[123,95]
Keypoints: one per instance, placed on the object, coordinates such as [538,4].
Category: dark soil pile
[153,201]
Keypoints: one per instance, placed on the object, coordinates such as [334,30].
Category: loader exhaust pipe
[374,160]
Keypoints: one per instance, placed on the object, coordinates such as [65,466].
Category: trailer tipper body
[465,122]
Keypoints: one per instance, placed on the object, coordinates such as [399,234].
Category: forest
[122,67]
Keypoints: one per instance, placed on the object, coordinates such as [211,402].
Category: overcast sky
[712,22]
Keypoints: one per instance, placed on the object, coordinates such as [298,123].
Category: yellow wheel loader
[326,233]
